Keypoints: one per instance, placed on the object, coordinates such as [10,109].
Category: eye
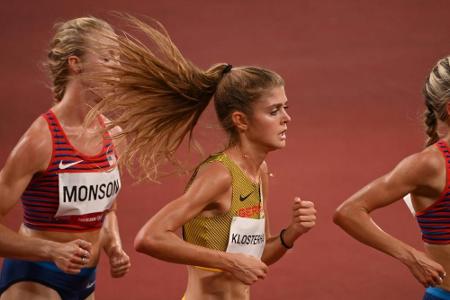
[274,112]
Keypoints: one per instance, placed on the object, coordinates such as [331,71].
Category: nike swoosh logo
[65,166]
[242,198]
[90,284]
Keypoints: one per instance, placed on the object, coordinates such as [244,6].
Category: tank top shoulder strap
[218,157]
[58,135]
[445,150]
[236,172]
[108,144]
[53,124]
[106,134]
[231,166]
[59,139]
[211,158]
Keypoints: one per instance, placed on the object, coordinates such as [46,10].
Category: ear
[240,120]
[74,63]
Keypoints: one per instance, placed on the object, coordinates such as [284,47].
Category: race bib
[247,236]
[86,193]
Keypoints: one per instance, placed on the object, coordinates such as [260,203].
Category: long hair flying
[155,96]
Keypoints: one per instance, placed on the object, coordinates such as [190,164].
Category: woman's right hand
[427,271]
[71,257]
[247,269]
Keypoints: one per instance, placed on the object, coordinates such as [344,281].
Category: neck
[75,104]
[248,157]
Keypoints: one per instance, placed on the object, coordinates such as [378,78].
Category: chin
[276,146]
[282,146]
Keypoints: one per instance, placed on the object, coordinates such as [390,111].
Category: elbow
[350,213]
[140,243]
[342,214]
[146,243]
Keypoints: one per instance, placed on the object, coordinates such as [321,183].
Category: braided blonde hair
[436,92]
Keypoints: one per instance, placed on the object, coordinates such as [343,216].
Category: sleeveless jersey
[246,202]
[434,221]
[76,190]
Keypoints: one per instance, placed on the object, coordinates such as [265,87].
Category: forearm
[169,247]
[360,225]
[14,245]
[275,249]
[110,232]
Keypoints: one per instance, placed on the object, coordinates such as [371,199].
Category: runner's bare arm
[119,261]
[110,229]
[158,237]
[415,174]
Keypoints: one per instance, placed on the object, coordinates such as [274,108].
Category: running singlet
[239,230]
[76,190]
[434,221]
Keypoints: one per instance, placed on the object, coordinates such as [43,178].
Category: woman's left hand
[119,262]
[304,216]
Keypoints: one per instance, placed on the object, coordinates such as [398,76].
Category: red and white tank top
[76,190]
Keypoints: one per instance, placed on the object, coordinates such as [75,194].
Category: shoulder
[428,163]
[212,179]
[430,160]
[215,173]
[37,138]
[34,147]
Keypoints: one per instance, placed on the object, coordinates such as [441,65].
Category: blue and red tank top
[76,190]
[434,221]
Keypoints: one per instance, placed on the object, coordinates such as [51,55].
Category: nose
[286,117]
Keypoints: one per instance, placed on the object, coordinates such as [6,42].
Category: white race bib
[247,236]
[86,193]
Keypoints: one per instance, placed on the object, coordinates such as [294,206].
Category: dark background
[354,71]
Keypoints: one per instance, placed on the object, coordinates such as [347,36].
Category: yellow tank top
[246,201]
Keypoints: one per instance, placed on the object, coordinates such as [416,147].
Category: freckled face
[268,123]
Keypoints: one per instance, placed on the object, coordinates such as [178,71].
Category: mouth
[283,134]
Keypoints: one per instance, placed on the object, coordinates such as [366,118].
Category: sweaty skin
[423,175]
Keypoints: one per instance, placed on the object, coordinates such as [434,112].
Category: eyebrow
[277,105]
